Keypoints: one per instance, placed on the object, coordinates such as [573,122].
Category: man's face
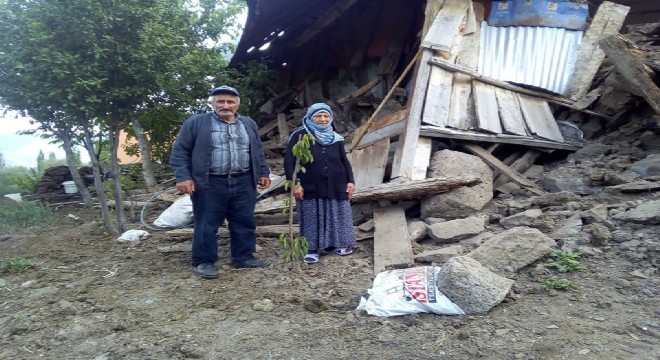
[225,105]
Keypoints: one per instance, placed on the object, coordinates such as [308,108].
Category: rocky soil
[91,297]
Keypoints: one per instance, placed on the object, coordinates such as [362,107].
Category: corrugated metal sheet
[532,55]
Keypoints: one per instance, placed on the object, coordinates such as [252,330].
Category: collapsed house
[409,78]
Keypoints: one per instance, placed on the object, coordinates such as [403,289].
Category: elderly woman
[323,197]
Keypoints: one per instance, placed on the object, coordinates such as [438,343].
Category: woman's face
[321,118]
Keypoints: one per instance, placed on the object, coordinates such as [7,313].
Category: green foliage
[565,261]
[295,247]
[26,182]
[18,179]
[15,265]
[559,284]
[24,214]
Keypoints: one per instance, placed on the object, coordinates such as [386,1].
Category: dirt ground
[91,297]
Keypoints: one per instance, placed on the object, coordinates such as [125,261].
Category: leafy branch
[295,247]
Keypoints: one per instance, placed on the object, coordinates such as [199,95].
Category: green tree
[80,67]
[2,160]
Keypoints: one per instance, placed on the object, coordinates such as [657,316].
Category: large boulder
[511,250]
[471,286]
[464,201]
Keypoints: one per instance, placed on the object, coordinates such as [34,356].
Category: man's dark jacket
[191,153]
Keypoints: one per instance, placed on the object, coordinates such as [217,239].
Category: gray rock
[555,199]
[439,256]
[647,167]
[455,230]
[646,213]
[511,250]
[471,286]
[463,201]
[569,180]
[571,226]
[417,230]
[599,234]
[521,219]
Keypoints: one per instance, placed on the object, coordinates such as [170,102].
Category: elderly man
[219,160]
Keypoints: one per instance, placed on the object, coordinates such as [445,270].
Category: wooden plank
[391,246]
[385,120]
[607,21]
[510,113]
[486,105]
[403,162]
[438,97]
[500,166]
[387,132]
[468,56]
[267,128]
[422,158]
[632,69]
[446,26]
[361,91]
[446,133]
[521,164]
[505,85]
[369,164]
[539,118]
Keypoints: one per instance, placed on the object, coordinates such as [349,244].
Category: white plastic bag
[179,214]
[407,291]
[133,235]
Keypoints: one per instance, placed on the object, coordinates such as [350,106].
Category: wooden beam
[422,158]
[328,18]
[414,189]
[405,153]
[632,69]
[607,21]
[500,166]
[445,133]
[502,84]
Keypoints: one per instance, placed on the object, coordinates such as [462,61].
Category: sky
[22,150]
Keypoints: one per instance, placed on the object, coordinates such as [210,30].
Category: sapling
[295,247]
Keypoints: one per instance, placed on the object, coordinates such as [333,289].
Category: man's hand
[264,182]
[186,187]
[350,188]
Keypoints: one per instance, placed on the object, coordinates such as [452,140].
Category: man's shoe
[206,271]
[252,263]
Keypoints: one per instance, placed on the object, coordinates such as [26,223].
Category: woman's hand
[298,192]
[350,188]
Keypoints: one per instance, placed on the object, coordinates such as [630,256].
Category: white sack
[179,214]
[407,291]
